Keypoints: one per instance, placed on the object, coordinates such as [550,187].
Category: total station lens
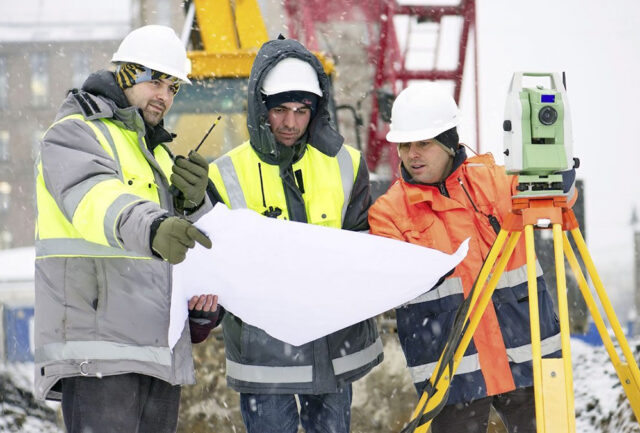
[548,115]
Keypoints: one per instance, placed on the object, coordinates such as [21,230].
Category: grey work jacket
[102,313]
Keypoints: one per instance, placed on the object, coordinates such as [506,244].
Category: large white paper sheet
[299,282]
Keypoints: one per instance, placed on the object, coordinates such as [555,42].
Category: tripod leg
[552,377]
[534,320]
[441,384]
[567,406]
[627,372]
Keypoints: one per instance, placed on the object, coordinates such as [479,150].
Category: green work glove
[174,236]
[190,175]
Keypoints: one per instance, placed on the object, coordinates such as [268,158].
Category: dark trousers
[278,413]
[516,408]
[127,403]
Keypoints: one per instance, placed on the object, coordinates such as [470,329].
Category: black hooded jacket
[320,134]
[249,349]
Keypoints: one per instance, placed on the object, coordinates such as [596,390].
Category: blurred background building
[46,49]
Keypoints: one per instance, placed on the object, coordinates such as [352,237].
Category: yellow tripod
[552,377]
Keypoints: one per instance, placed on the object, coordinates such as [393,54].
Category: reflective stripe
[231,182]
[99,129]
[90,208]
[453,285]
[517,276]
[264,374]
[346,174]
[523,353]
[450,286]
[301,374]
[107,135]
[358,359]
[470,363]
[113,213]
[64,247]
[77,193]
[102,350]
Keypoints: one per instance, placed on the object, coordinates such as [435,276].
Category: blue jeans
[278,413]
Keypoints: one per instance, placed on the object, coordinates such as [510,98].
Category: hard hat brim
[418,135]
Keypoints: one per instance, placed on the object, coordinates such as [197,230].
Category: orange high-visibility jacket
[441,216]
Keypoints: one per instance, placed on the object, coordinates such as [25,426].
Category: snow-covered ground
[19,412]
[601,406]
[600,403]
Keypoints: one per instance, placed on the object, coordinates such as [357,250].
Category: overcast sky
[63,20]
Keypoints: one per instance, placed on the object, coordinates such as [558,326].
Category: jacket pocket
[143,186]
[512,308]
[259,348]
[323,211]
[353,338]
[128,284]
[419,231]
[423,332]
[81,285]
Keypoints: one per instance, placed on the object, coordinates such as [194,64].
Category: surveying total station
[537,135]
[538,147]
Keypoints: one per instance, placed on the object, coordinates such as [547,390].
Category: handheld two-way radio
[172,189]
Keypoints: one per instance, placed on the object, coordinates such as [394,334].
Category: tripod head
[537,134]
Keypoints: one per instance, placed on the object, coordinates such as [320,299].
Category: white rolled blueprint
[299,282]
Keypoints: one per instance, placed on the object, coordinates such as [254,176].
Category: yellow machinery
[225,36]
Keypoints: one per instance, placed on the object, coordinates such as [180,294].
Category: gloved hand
[203,308]
[204,315]
[174,236]
[190,175]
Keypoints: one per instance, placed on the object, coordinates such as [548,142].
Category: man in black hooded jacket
[295,167]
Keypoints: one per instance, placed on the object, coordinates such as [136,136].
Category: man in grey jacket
[108,231]
[296,167]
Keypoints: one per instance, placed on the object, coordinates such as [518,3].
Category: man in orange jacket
[441,199]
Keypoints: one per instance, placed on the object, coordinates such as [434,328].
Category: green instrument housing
[543,144]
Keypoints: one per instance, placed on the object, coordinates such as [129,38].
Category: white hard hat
[291,74]
[421,112]
[156,47]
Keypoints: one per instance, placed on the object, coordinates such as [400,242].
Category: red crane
[387,53]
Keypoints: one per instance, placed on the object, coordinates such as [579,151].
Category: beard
[152,116]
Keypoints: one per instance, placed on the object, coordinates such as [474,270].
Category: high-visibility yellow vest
[245,181]
[85,223]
